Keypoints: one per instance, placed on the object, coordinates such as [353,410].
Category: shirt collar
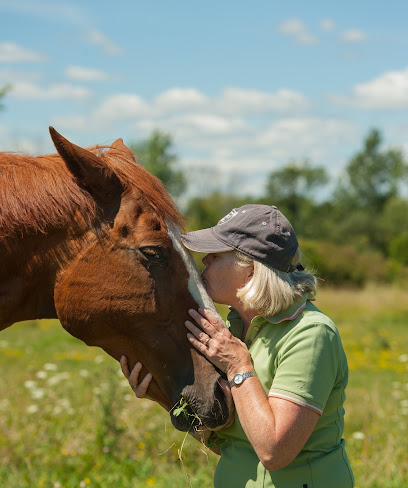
[289,313]
[293,311]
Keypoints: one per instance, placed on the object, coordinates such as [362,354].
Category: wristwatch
[241,377]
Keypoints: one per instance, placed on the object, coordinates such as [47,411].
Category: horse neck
[30,267]
[33,254]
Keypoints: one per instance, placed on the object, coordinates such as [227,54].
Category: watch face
[238,379]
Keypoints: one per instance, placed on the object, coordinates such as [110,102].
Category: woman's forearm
[258,421]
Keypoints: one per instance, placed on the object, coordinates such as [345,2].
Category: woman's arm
[276,428]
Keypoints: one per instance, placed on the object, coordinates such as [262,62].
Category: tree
[293,189]
[372,176]
[372,180]
[154,154]
[206,211]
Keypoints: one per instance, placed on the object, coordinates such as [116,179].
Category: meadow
[68,418]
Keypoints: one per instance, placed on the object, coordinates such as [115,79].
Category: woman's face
[222,276]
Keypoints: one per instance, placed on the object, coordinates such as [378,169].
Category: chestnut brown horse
[88,236]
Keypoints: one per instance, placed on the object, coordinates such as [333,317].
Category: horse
[89,237]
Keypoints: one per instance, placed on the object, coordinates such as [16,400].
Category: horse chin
[192,411]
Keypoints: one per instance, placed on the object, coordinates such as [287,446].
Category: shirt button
[256,329]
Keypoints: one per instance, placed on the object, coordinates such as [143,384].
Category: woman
[283,358]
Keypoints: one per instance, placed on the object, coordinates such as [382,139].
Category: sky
[243,87]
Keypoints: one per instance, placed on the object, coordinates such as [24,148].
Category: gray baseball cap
[261,232]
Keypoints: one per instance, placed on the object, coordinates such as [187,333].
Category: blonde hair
[270,291]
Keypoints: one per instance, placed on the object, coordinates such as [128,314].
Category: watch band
[239,378]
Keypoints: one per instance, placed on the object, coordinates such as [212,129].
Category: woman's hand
[140,389]
[216,342]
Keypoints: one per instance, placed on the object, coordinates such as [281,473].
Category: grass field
[68,418]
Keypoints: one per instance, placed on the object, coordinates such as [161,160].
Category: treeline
[352,231]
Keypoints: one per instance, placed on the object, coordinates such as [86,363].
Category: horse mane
[37,193]
[133,174]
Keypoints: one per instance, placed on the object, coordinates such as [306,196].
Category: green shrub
[343,265]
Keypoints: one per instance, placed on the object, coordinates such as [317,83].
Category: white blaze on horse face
[195,283]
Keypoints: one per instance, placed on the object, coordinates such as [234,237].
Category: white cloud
[186,110]
[388,91]
[237,100]
[116,108]
[56,91]
[297,30]
[98,39]
[13,53]
[310,137]
[214,124]
[327,25]
[198,128]
[353,35]
[122,106]
[81,73]
[180,99]
[8,76]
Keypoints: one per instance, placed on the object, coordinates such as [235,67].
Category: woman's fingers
[134,374]
[198,333]
[124,366]
[140,389]
[207,321]
[212,319]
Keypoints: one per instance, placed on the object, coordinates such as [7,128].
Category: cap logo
[228,217]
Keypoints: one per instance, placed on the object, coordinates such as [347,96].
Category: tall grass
[68,418]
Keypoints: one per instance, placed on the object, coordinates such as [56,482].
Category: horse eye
[153,254]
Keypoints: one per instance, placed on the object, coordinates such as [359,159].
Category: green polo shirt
[298,356]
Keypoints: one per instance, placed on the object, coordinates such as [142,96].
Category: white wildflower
[54,380]
[41,375]
[84,373]
[64,403]
[403,358]
[38,393]
[30,384]
[359,436]
[32,409]
[50,367]
[57,410]
[99,359]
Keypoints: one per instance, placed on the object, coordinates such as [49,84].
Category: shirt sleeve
[309,365]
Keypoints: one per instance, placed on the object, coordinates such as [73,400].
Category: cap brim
[204,241]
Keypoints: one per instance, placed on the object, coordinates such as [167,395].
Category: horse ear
[119,146]
[89,169]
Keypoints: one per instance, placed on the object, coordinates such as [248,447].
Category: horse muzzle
[200,407]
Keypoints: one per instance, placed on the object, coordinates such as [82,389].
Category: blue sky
[243,87]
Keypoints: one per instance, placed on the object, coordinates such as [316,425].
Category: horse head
[129,282]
